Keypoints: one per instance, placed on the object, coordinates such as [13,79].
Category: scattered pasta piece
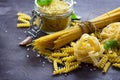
[114,60]
[117,65]
[23,25]
[24,16]
[55,65]
[102,62]
[23,20]
[106,67]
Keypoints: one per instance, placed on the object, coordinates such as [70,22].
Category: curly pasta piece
[117,65]
[69,59]
[24,16]
[23,20]
[106,67]
[59,54]
[72,68]
[102,62]
[59,71]
[115,60]
[53,59]
[69,50]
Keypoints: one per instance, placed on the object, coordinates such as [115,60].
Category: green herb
[110,44]
[74,17]
[44,2]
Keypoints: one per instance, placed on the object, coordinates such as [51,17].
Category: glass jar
[54,17]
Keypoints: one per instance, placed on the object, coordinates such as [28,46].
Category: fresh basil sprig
[74,16]
[110,44]
[44,2]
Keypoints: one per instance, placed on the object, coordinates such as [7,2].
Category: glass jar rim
[41,7]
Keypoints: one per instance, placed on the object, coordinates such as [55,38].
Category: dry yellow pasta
[115,60]
[117,65]
[106,67]
[69,59]
[23,20]
[102,62]
[24,16]
[72,68]
[59,54]
[23,25]
[55,65]
[69,50]
[59,71]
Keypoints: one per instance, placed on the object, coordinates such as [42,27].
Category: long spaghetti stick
[106,14]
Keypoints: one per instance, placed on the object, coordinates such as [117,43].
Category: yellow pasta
[58,60]
[23,25]
[59,54]
[59,71]
[117,65]
[115,60]
[106,67]
[23,20]
[55,65]
[72,68]
[102,62]
[69,59]
[23,16]
[112,55]
[69,50]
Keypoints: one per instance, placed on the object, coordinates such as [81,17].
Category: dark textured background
[21,63]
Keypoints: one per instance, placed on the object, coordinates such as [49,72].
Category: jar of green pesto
[54,16]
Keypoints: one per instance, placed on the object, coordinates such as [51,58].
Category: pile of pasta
[88,49]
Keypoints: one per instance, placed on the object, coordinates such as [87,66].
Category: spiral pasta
[106,67]
[102,62]
[117,65]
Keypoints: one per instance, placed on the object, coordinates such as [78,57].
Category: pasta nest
[88,49]
[111,31]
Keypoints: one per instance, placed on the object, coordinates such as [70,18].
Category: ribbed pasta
[115,60]
[24,16]
[23,20]
[59,54]
[117,65]
[102,62]
[59,71]
[69,59]
[106,67]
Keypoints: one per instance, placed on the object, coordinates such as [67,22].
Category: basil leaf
[110,44]
[74,17]
[44,2]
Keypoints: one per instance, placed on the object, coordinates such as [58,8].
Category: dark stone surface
[15,64]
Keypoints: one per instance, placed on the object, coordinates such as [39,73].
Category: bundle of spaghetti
[88,49]
[61,38]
